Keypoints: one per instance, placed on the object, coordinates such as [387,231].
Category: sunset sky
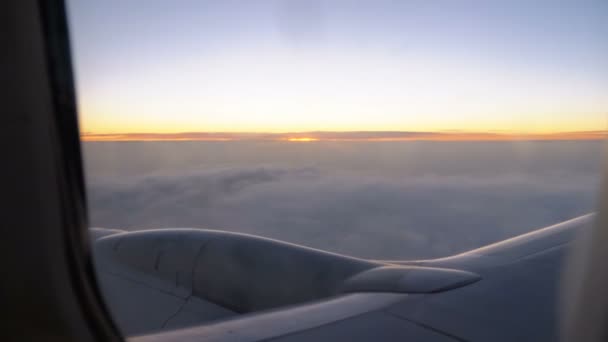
[499,68]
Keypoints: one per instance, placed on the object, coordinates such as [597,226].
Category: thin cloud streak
[344,136]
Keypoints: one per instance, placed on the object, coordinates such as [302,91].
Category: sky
[160,68]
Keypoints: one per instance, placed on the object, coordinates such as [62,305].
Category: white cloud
[361,215]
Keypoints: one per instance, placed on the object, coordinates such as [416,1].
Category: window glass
[378,129]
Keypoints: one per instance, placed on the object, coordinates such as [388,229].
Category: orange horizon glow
[353,136]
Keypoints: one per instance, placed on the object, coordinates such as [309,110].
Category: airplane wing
[194,284]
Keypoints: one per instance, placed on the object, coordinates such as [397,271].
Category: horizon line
[363,136]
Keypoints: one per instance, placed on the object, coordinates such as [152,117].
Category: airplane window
[381,130]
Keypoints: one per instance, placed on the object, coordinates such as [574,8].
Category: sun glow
[304,139]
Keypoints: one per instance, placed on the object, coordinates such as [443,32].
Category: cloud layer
[378,215]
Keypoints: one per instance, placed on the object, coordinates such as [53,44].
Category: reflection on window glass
[378,129]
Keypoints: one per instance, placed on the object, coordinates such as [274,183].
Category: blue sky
[170,66]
